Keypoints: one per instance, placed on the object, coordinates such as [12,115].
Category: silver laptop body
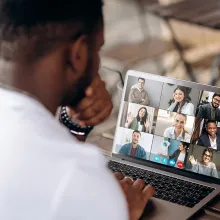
[160,91]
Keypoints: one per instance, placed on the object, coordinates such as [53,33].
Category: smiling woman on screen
[181,101]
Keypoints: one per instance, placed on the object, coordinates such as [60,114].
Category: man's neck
[14,79]
[134,145]
[212,137]
[140,89]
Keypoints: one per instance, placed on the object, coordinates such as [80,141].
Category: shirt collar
[173,133]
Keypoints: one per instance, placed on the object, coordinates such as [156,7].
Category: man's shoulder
[127,145]
[205,106]
[141,148]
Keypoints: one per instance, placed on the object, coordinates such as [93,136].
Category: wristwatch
[72,125]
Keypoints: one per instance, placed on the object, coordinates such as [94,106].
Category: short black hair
[210,121]
[216,94]
[136,131]
[141,79]
[19,18]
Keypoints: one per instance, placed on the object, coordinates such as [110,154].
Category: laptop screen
[172,122]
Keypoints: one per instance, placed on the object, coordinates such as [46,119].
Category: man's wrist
[73,126]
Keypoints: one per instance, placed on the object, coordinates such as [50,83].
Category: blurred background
[175,38]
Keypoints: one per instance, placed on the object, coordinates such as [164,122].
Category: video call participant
[181,101]
[178,131]
[134,149]
[137,94]
[140,122]
[211,110]
[211,138]
[205,166]
[179,154]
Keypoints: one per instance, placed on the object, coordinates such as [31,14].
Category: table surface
[201,12]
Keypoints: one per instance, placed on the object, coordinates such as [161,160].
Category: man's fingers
[99,117]
[85,104]
[89,91]
[128,180]
[119,175]
[139,184]
[148,192]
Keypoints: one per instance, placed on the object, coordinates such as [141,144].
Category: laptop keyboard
[167,188]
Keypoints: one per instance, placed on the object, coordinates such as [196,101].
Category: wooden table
[205,13]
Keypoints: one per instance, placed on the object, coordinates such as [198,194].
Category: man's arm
[114,198]
[95,107]
[201,112]
[132,97]
[146,100]
[123,150]
[200,142]
[91,192]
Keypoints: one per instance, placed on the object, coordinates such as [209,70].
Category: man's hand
[137,195]
[96,106]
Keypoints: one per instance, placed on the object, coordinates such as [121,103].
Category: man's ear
[78,56]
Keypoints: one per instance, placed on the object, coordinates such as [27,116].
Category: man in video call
[211,137]
[49,57]
[211,110]
[134,149]
[137,94]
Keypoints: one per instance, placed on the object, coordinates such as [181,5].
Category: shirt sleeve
[214,172]
[146,100]
[122,150]
[132,98]
[195,168]
[91,192]
[189,109]
[172,106]
[200,112]
[167,133]
[187,138]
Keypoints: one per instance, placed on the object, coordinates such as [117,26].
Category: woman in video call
[211,138]
[178,131]
[205,166]
[179,154]
[181,101]
[140,122]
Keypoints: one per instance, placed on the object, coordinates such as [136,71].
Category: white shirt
[181,157]
[170,133]
[45,173]
[140,127]
[187,108]
[213,143]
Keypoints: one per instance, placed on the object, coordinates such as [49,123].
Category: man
[134,149]
[211,110]
[211,137]
[138,95]
[49,58]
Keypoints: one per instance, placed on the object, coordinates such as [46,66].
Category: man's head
[136,137]
[54,45]
[216,100]
[211,128]
[141,82]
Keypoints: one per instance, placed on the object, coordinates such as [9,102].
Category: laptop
[164,136]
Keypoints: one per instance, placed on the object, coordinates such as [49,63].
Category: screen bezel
[149,163]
